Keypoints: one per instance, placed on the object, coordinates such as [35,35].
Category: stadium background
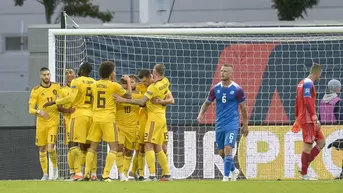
[269,96]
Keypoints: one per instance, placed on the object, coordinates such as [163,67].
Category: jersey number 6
[101,102]
[224,99]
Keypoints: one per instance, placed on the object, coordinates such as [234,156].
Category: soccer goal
[268,64]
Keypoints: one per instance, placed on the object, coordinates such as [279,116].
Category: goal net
[268,64]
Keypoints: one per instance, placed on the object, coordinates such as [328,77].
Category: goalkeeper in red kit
[307,120]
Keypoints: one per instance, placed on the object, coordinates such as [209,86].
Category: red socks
[306,159]
[314,152]
[304,162]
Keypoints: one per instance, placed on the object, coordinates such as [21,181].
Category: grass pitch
[180,186]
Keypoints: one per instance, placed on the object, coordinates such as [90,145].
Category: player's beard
[46,81]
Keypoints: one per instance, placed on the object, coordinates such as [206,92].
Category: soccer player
[146,79]
[153,135]
[67,110]
[228,96]
[104,116]
[306,119]
[127,123]
[47,121]
[81,99]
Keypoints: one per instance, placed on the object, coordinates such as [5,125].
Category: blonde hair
[315,68]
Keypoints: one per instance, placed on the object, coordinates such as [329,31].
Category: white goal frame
[178,31]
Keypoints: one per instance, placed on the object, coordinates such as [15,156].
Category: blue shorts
[226,138]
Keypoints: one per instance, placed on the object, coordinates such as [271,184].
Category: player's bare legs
[110,159]
[53,158]
[91,157]
[43,160]
[120,162]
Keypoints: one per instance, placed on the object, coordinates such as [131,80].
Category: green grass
[182,186]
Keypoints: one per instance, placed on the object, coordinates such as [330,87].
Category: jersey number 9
[101,102]
[89,96]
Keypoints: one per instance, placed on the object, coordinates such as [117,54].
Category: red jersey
[305,101]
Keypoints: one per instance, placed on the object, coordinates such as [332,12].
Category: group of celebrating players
[129,116]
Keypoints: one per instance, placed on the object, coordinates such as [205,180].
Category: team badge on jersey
[307,90]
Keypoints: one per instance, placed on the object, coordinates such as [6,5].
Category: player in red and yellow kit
[47,121]
[127,119]
[153,135]
[104,117]
[306,119]
[81,99]
[67,110]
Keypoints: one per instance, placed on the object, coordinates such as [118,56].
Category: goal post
[268,63]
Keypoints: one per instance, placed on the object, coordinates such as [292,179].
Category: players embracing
[127,119]
[229,97]
[155,98]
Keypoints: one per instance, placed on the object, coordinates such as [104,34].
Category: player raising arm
[306,119]
[228,96]
[153,136]
[104,116]
[47,121]
[81,99]
[67,110]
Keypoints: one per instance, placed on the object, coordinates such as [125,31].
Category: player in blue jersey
[228,96]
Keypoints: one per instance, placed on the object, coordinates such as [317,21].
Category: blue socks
[228,165]
[233,166]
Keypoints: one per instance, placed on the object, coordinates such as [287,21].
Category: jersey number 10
[127,109]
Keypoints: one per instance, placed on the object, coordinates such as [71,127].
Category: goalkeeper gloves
[296,127]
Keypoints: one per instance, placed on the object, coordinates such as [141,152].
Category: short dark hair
[106,68]
[315,68]
[160,69]
[86,68]
[144,73]
[44,69]
[133,76]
